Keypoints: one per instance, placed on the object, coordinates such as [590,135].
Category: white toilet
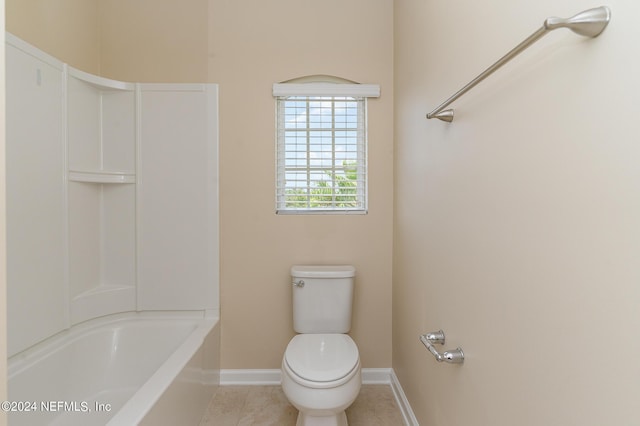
[321,366]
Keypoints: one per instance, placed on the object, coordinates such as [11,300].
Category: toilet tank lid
[323,271]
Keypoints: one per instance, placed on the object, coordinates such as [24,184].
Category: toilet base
[339,419]
[322,406]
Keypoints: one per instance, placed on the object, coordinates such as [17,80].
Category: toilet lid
[321,357]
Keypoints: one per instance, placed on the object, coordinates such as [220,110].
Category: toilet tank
[322,298]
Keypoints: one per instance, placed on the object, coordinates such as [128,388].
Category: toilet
[321,365]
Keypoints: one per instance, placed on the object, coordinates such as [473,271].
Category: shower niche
[101,153]
[112,196]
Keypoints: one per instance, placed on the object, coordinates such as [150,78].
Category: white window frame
[331,94]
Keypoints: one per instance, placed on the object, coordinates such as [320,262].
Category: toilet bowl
[321,377]
[321,365]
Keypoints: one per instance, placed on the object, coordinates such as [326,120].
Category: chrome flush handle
[299,283]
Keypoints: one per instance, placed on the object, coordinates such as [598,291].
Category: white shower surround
[112,210]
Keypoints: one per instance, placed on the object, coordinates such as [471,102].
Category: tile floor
[268,406]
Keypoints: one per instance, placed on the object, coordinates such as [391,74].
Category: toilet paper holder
[455,356]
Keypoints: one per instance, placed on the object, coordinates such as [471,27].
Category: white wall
[517,227]
[36,196]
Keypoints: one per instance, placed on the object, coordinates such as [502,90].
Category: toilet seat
[321,360]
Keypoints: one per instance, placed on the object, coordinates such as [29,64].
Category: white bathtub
[120,370]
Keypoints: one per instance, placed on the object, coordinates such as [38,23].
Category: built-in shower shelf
[102,177]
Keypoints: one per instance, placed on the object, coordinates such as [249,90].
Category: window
[321,148]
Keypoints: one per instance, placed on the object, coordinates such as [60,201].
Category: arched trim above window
[325,85]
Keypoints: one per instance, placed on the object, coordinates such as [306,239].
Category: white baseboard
[405,408]
[376,376]
[252,377]
[370,376]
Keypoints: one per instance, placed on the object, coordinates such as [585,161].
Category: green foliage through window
[338,190]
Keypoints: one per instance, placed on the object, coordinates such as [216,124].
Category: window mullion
[333,152]
[308,146]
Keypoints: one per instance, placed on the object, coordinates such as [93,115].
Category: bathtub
[119,370]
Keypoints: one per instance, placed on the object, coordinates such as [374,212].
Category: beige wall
[66,29]
[154,40]
[254,44]
[145,40]
[517,226]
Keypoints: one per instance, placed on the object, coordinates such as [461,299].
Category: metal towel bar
[455,356]
[589,23]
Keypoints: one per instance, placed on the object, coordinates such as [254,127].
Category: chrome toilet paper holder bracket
[455,356]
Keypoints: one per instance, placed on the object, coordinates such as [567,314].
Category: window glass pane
[322,160]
